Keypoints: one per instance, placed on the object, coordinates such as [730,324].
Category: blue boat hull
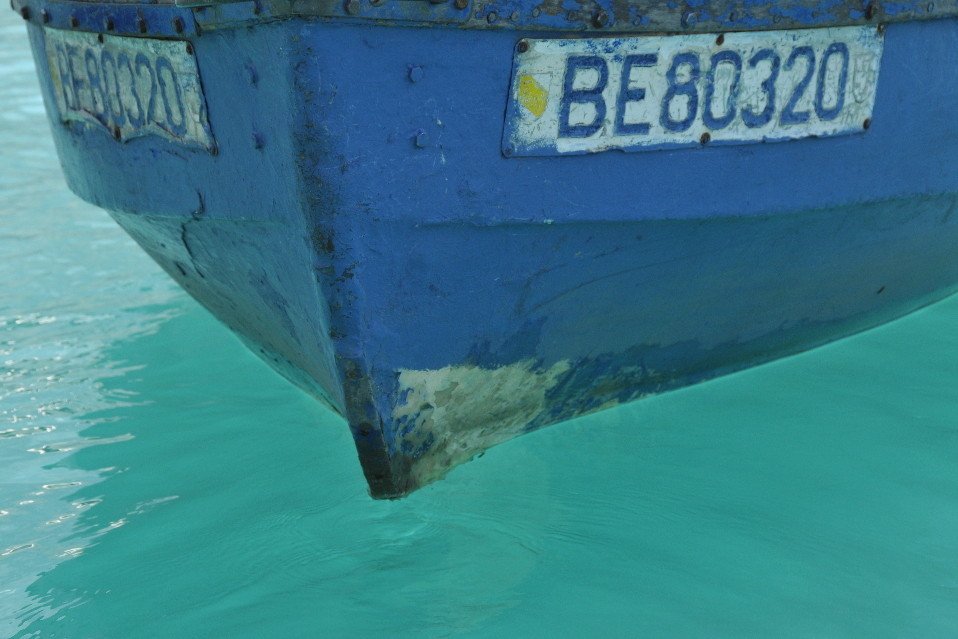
[360,229]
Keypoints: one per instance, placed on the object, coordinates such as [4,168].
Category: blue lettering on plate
[825,114]
[708,117]
[789,114]
[628,94]
[592,95]
[684,88]
[754,120]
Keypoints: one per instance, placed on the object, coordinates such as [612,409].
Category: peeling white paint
[467,409]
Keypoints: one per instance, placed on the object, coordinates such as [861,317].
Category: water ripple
[73,270]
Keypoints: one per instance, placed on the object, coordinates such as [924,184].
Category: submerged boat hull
[355,221]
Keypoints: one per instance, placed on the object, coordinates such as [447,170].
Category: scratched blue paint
[343,252]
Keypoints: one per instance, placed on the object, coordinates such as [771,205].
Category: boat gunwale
[190,18]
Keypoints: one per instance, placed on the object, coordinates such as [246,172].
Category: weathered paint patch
[450,414]
[532,95]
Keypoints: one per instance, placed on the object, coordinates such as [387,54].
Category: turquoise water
[156,480]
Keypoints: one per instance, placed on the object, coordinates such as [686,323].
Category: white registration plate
[637,93]
[129,86]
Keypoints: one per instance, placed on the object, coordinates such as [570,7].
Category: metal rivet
[141,24]
[571,15]
[258,141]
[415,73]
[601,19]
[257,8]
[689,18]
[720,39]
[522,47]
[705,138]
[867,123]
[73,21]
[870,10]
[492,17]
[25,13]
[462,4]
[177,23]
[422,140]
[251,75]
[437,1]
[509,150]
[99,38]
[108,23]
[189,49]
[352,7]
[44,16]
[930,7]
[732,16]
[514,16]
[536,12]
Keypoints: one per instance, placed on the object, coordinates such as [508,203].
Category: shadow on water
[816,496]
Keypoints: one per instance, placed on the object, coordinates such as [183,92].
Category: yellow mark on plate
[533,95]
